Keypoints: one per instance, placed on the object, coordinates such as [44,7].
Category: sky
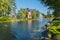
[32,4]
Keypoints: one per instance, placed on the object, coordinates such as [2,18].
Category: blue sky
[32,4]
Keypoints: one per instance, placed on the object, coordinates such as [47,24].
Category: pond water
[23,30]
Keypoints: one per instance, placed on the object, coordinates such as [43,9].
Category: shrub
[4,18]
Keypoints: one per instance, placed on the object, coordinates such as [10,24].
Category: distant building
[28,13]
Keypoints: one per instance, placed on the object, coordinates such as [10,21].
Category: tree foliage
[6,6]
[12,5]
[35,14]
[53,4]
[23,12]
[3,6]
[48,15]
[55,27]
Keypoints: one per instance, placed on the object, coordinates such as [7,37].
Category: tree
[53,4]
[21,14]
[35,14]
[6,6]
[3,6]
[12,6]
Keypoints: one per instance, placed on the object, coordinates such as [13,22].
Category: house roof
[28,10]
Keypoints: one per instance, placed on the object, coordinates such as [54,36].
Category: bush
[56,22]
[4,18]
[55,29]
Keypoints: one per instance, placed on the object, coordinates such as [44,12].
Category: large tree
[53,4]
[35,13]
[3,7]
[21,13]
[6,6]
[12,6]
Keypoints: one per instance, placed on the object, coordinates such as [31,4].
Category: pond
[23,30]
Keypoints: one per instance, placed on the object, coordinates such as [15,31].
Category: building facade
[28,13]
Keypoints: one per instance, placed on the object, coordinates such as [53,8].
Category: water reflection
[29,24]
[5,33]
[18,30]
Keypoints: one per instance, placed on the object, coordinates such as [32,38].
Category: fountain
[40,24]
[40,20]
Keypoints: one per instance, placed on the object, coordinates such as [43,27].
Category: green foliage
[35,14]
[12,5]
[22,14]
[53,4]
[55,30]
[56,22]
[58,37]
[55,25]
[4,18]
[3,6]
[49,16]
